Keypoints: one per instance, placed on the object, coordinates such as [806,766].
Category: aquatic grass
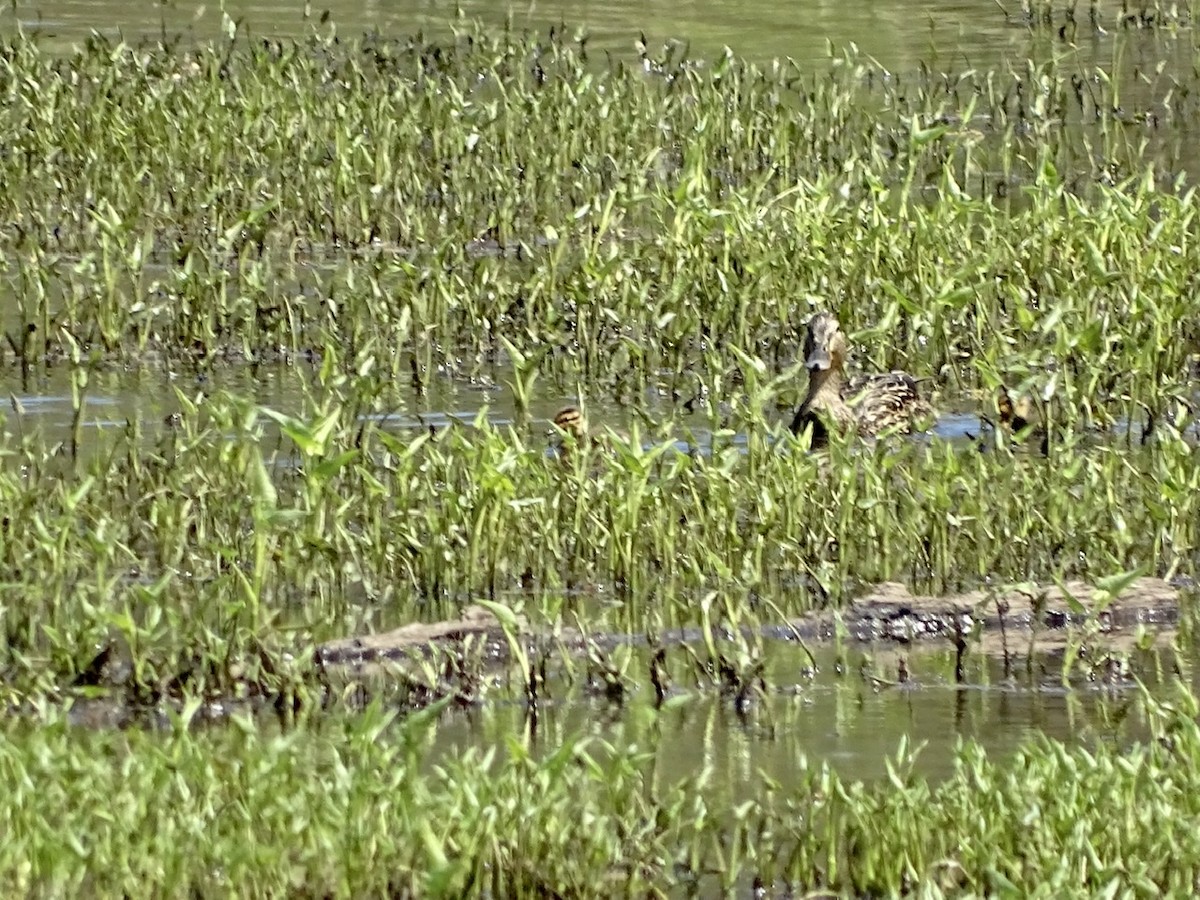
[974,303]
[1069,20]
[188,561]
[365,804]
[636,230]
[499,208]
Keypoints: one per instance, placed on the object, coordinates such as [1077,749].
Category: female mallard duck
[868,404]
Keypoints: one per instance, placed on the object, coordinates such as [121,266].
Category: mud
[475,622]
[889,612]
[1036,618]
[1047,630]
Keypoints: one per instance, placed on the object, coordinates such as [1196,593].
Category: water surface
[148,396]
[900,34]
[849,721]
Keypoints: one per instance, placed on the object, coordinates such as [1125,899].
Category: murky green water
[849,721]
[900,34]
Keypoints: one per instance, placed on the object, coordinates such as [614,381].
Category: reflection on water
[114,396]
[849,722]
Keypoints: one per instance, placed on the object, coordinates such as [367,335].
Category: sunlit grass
[365,806]
[373,206]
[414,209]
[501,208]
[191,551]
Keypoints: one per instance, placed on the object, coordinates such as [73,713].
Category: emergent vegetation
[380,219]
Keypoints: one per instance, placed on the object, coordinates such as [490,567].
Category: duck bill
[819,361]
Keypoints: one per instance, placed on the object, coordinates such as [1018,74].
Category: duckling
[1020,418]
[1016,415]
[868,404]
[570,421]
[573,432]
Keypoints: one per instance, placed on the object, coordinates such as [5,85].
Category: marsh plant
[369,213]
[455,209]
[361,805]
[382,218]
[205,540]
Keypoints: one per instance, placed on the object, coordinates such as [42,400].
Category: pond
[854,720]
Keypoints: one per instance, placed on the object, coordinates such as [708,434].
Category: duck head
[569,420]
[824,345]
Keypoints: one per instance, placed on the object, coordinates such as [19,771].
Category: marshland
[399,488]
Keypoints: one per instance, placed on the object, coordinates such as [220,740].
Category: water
[148,397]
[900,34]
[847,721]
